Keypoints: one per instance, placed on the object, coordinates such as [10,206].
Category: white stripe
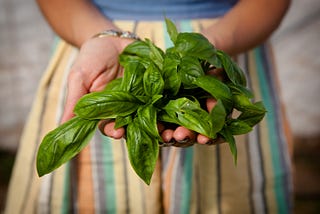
[44,195]
[95,175]
[257,176]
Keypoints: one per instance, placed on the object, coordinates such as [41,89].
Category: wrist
[117,33]
[119,38]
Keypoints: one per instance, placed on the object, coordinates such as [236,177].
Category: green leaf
[145,50]
[218,116]
[172,30]
[189,114]
[114,85]
[122,121]
[133,78]
[227,135]
[251,118]
[171,78]
[143,98]
[152,81]
[217,89]
[234,72]
[63,143]
[253,114]
[106,104]
[138,48]
[243,104]
[238,127]
[195,45]
[190,69]
[143,151]
[156,54]
[240,90]
[155,98]
[126,59]
[147,116]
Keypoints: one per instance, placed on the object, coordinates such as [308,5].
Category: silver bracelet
[117,33]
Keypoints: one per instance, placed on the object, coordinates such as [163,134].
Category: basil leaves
[170,87]
[63,143]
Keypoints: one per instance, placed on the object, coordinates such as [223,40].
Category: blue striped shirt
[158,9]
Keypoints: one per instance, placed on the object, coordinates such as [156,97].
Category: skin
[248,24]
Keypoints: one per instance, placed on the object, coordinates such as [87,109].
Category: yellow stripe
[118,175]
[235,194]
[202,23]
[152,193]
[24,159]
[56,102]
[49,117]
[206,183]
[153,31]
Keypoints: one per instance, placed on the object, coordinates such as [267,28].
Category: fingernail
[186,140]
[210,142]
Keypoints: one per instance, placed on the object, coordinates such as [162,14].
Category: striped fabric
[198,179]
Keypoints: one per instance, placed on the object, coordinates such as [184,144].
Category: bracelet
[117,33]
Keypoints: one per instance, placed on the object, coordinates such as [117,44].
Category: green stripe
[186,26]
[273,141]
[109,175]
[56,42]
[186,184]
[66,190]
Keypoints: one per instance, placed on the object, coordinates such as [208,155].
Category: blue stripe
[158,10]
[282,144]
[274,138]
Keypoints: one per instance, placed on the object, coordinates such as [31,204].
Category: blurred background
[25,48]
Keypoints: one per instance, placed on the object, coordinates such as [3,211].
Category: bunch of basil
[170,87]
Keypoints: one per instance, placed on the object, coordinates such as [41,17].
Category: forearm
[74,20]
[248,24]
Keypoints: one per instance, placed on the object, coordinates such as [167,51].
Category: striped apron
[198,179]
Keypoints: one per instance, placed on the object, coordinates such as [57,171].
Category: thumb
[76,89]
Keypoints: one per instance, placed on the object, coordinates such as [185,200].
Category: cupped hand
[96,65]
[180,134]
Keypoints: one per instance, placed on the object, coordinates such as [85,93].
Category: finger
[167,135]
[109,130]
[181,133]
[76,89]
[100,81]
[201,139]
[217,72]
[211,102]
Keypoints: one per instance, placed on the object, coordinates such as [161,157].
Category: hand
[180,134]
[96,65]
[168,134]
